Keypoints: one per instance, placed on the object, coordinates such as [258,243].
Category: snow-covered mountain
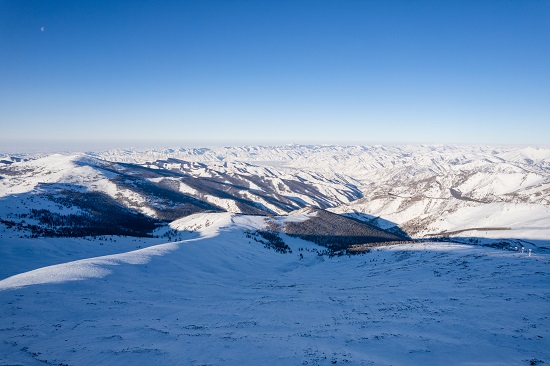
[84,195]
[243,255]
[219,297]
[468,192]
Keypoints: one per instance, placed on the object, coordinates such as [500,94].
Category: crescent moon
[42,29]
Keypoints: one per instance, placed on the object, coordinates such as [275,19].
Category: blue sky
[121,73]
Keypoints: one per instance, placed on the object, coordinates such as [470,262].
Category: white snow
[216,296]
[207,224]
[225,300]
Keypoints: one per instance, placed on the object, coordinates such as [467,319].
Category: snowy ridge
[424,189]
[160,190]
[207,299]
[85,268]
[208,225]
[427,190]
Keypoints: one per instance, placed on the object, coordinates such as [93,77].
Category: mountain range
[312,255]
[475,193]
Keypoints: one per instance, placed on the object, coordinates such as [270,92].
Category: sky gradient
[189,73]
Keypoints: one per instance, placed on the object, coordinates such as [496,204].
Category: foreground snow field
[225,299]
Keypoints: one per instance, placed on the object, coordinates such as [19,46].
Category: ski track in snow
[221,299]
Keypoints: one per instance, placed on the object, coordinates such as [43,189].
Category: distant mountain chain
[470,193]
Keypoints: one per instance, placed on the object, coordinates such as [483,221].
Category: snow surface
[224,299]
[217,296]
[19,255]
[407,185]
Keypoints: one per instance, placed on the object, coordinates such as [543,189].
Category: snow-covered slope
[426,190]
[222,298]
[435,190]
[466,192]
[74,195]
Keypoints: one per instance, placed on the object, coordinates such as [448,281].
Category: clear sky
[121,73]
